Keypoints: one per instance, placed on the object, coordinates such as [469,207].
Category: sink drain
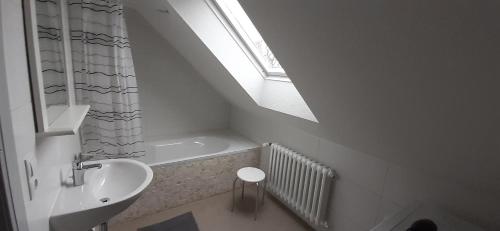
[104,200]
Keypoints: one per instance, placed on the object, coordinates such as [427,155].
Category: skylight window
[250,38]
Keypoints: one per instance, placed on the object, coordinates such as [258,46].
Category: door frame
[7,212]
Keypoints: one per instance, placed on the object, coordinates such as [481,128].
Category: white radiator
[301,184]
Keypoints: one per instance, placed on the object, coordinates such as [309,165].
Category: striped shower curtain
[105,79]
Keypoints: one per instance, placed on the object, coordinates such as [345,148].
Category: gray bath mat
[184,222]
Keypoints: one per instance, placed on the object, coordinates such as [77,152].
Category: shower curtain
[105,79]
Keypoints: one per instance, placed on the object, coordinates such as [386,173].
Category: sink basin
[106,192]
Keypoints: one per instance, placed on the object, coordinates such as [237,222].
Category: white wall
[368,188]
[175,99]
[51,156]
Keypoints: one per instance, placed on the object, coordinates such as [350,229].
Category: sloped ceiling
[172,28]
[412,82]
[193,28]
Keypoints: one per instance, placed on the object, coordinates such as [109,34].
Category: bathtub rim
[225,134]
[201,157]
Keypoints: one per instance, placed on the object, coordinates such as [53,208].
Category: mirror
[52,57]
[51,71]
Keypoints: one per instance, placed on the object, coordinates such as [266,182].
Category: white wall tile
[365,170]
[50,157]
[355,201]
[405,186]
[24,129]
[295,139]
[53,160]
[252,127]
[262,131]
[352,207]
[387,209]
[175,99]
[368,189]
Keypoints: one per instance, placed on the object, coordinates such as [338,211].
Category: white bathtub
[164,150]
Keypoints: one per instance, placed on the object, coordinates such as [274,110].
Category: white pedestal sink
[105,193]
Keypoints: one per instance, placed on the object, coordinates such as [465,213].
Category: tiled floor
[214,214]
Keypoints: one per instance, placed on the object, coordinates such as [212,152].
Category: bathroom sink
[106,192]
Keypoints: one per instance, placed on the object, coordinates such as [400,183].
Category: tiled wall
[175,99]
[183,182]
[52,156]
[367,188]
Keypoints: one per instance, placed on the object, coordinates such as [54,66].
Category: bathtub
[165,150]
[190,168]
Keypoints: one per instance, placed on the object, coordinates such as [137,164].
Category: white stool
[250,175]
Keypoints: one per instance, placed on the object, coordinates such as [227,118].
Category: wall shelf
[68,122]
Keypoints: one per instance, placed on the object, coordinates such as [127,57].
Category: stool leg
[264,192]
[242,189]
[256,202]
[234,197]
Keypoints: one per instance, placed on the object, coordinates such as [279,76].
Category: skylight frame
[246,44]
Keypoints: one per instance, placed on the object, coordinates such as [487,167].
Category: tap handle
[78,157]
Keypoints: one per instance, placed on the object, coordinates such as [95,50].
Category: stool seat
[251,174]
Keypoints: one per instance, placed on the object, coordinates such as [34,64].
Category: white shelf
[68,122]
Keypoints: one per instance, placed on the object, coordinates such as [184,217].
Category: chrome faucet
[79,170]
